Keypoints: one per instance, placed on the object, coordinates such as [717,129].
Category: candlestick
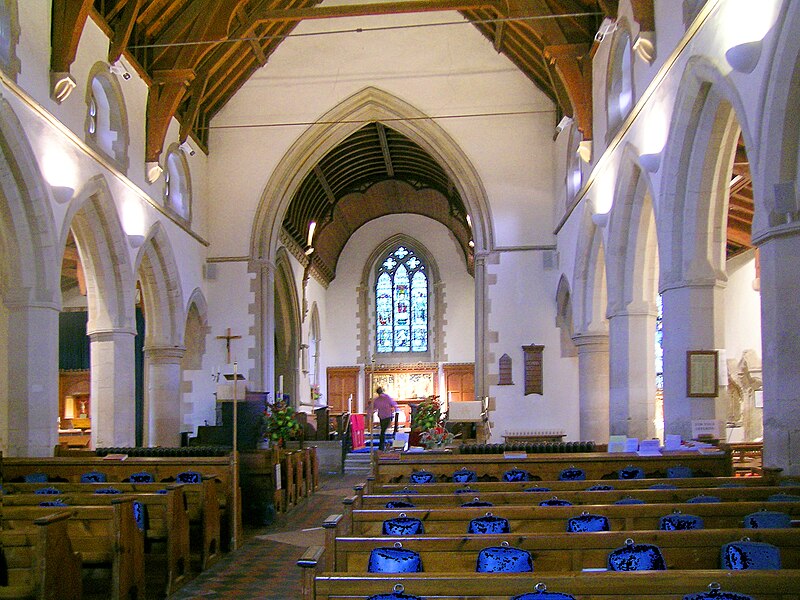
[280,386]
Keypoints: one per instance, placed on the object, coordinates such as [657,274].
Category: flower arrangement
[427,415]
[279,422]
[315,394]
[436,437]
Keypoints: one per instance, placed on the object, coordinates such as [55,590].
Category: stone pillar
[266,345]
[113,408]
[593,386]
[780,330]
[693,320]
[481,293]
[163,397]
[632,378]
[32,380]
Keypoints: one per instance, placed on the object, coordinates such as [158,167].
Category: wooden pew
[40,564]
[104,536]
[558,486]
[651,585]
[167,523]
[532,519]
[396,468]
[202,500]
[421,500]
[556,552]
[164,469]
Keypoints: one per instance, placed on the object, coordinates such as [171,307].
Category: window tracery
[401,303]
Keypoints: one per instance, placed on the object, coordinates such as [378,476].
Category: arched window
[401,302]
[574,173]
[9,38]
[619,100]
[177,184]
[106,117]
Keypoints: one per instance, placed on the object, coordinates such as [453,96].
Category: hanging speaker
[210,271]
[550,260]
[785,197]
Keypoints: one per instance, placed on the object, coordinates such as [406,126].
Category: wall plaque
[534,369]
[505,370]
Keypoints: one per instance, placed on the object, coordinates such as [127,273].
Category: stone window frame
[573,165]
[619,78]
[9,38]
[176,173]
[114,99]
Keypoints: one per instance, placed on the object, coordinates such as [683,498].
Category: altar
[408,384]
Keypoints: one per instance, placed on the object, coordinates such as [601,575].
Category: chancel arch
[370,105]
[29,298]
[162,301]
[590,335]
[693,216]
[110,287]
[632,261]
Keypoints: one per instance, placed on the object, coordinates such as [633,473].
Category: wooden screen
[459,381]
[342,382]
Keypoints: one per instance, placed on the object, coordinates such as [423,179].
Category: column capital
[164,354]
[591,341]
[785,230]
[699,283]
[109,335]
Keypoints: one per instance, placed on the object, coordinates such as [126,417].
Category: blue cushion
[140,515]
[94,477]
[53,503]
[141,477]
[504,559]
[476,502]
[36,478]
[488,524]
[630,500]
[465,476]
[587,522]
[732,485]
[108,490]
[717,595]
[750,555]
[679,472]
[630,472]
[572,474]
[394,560]
[663,486]
[789,483]
[555,502]
[422,477]
[403,525]
[397,594]
[766,519]
[537,489]
[517,475]
[48,491]
[406,490]
[399,504]
[189,477]
[636,557]
[703,499]
[600,487]
[680,522]
[784,498]
[466,490]
[541,593]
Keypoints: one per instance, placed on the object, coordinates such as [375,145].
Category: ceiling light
[311,228]
[310,251]
[61,86]
[187,148]
[119,70]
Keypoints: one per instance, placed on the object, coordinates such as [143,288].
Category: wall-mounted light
[471,244]
[152,171]
[600,219]
[563,124]
[651,162]
[312,227]
[645,46]
[61,85]
[119,70]
[607,27]
[744,57]
[61,193]
[585,151]
[135,240]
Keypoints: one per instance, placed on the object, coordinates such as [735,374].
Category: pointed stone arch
[104,254]
[287,326]
[314,345]
[196,330]
[370,104]
[590,294]
[30,298]
[564,320]
[632,286]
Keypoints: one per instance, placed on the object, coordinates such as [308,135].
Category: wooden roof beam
[68,20]
[323,181]
[371,9]
[123,30]
[163,99]
[387,156]
[574,65]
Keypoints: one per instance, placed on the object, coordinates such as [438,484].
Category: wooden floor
[265,566]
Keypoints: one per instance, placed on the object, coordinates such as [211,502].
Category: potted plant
[279,423]
[427,415]
[436,437]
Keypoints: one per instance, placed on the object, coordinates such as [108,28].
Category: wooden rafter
[378,8]
[123,30]
[574,65]
[387,156]
[68,20]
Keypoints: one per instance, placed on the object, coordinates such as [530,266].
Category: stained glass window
[659,344]
[401,303]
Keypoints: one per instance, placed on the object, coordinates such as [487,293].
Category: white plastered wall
[742,307]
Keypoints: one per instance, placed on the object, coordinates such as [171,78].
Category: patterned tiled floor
[264,568]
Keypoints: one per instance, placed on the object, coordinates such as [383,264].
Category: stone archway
[370,104]
[287,328]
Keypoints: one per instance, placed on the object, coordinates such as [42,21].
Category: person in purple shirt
[385,406]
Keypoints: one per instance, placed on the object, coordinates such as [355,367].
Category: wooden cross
[228,337]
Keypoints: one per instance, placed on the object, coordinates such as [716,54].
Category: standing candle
[280,386]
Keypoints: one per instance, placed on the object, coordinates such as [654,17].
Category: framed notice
[702,376]
[534,369]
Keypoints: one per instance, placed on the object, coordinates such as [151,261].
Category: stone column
[32,380]
[593,385]
[780,330]
[163,398]
[632,385]
[481,293]
[693,320]
[113,408]
[266,345]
